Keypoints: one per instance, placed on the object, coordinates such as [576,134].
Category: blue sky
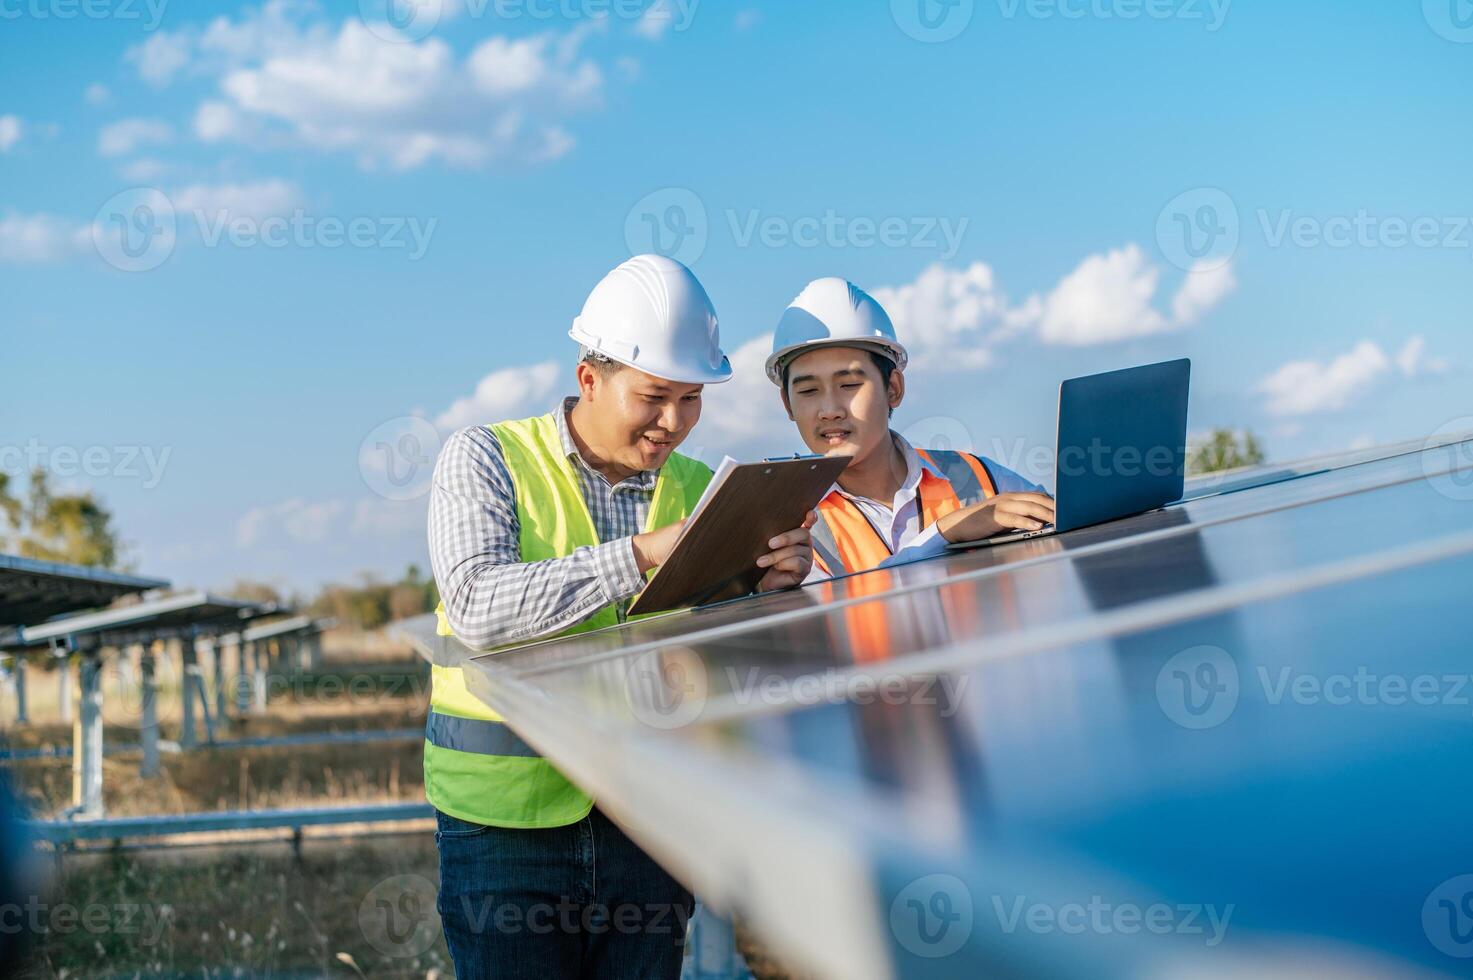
[232,375]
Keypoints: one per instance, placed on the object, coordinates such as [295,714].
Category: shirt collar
[644,480]
[915,467]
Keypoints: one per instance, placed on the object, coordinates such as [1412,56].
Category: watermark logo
[1447,465]
[932,916]
[671,222]
[1198,688]
[1447,917]
[398,916]
[939,434]
[1199,229]
[667,689]
[401,20]
[933,21]
[1451,19]
[397,459]
[136,230]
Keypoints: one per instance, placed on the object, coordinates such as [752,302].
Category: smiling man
[549,526]
[841,369]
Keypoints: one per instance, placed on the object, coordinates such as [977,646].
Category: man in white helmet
[841,369]
[548,526]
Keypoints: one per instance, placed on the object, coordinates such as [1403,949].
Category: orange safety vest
[844,541]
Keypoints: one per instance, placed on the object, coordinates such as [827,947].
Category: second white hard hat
[653,314]
[833,313]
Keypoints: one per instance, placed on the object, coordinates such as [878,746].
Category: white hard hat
[651,313]
[833,313]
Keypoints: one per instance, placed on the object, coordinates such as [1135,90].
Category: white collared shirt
[898,523]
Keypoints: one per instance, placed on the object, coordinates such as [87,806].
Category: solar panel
[193,609]
[33,591]
[1164,715]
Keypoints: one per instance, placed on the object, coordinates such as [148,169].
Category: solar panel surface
[1244,704]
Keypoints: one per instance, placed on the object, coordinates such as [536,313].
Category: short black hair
[884,364]
[606,366]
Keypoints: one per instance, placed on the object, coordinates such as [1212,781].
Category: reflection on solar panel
[1226,737]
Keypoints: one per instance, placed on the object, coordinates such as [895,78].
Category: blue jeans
[575,901]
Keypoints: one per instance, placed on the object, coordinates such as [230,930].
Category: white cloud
[216,121]
[97,94]
[1204,287]
[1413,361]
[287,75]
[747,19]
[298,520]
[949,318]
[161,57]
[1108,298]
[39,238]
[1310,387]
[502,394]
[954,319]
[274,29]
[256,201]
[656,21]
[11,131]
[376,517]
[128,135]
[144,170]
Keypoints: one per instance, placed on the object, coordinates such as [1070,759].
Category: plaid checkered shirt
[493,598]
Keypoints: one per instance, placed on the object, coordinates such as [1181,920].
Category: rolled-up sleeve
[491,596]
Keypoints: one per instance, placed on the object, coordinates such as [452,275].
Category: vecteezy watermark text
[138,229]
[1213,13]
[833,230]
[413,20]
[121,462]
[1201,688]
[1101,917]
[150,12]
[37,918]
[303,230]
[675,222]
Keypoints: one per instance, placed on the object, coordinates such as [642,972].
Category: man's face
[639,418]
[840,401]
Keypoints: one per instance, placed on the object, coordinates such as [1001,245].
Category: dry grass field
[243,904]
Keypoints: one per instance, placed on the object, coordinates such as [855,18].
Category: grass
[238,912]
[229,908]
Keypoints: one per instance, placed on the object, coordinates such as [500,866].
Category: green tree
[1225,449]
[71,528]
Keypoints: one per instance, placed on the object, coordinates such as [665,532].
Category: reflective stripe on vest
[475,735]
[846,542]
[476,768]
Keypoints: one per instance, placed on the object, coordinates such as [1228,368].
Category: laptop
[1122,448]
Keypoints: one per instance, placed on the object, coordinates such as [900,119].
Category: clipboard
[716,556]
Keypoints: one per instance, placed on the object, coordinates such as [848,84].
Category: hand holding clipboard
[716,555]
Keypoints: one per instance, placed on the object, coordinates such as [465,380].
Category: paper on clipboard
[717,479]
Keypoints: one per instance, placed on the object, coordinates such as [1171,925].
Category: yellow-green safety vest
[476,768]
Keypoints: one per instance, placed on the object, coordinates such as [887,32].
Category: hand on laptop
[1003,514]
